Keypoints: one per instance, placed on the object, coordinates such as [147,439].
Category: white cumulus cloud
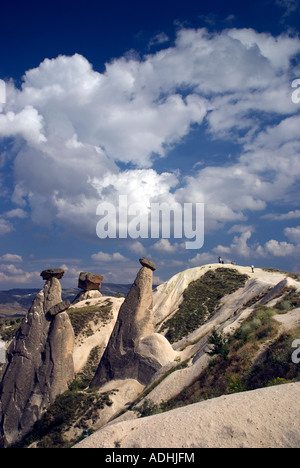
[293,234]
[5,226]
[79,127]
[27,123]
[14,258]
[105,257]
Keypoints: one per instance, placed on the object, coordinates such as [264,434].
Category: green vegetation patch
[259,326]
[82,317]
[148,408]
[290,301]
[85,376]
[8,328]
[245,365]
[69,408]
[276,366]
[201,300]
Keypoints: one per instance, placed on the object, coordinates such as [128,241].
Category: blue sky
[169,102]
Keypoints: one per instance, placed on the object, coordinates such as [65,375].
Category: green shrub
[290,301]
[258,326]
[244,332]
[9,329]
[276,381]
[148,408]
[235,384]
[219,344]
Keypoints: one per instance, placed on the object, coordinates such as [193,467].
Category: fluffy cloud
[238,248]
[11,258]
[136,247]
[277,50]
[117,110]
[242,248]
[27,123]
[165,246]
[267,171]
[77,125]
[11,270]
[105,257]
[203,259]
[280,249]
[16,213]
[9,274]
[293,234]
[5,226]
[293,214]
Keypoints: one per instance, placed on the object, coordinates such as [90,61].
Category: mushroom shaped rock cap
[89,281]
[145,262]
[52,273]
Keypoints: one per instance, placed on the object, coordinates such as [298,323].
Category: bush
[258,326]
[235,384]
[290,301]
[219,345]
[148,408]
[276,381]
[243,332]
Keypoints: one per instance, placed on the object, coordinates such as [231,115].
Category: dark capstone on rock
[90,281]
[52,273]
[145,262]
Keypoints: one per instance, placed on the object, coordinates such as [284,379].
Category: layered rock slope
[264,418]
[261,289]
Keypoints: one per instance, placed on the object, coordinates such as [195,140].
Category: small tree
[219,344]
